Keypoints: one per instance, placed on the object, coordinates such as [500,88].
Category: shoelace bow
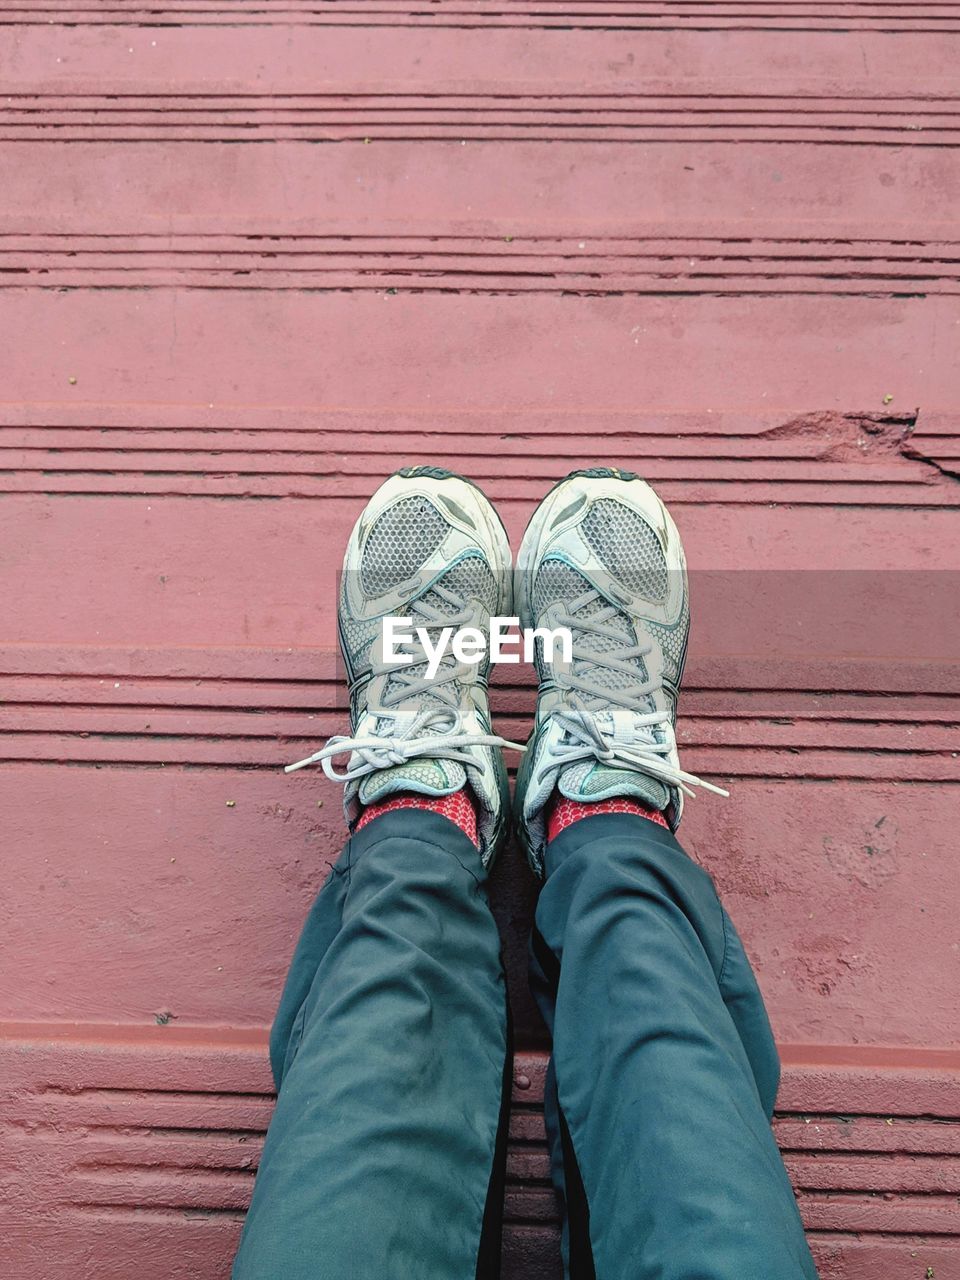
[576,716]
[412,739]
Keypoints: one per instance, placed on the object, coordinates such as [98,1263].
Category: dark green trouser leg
[390,1056]
[665,1068]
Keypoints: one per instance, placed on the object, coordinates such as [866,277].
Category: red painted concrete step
[159,1133]
[841,460]
[171,898]
[701,15]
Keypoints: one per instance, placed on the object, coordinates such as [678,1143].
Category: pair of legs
[391,1048]
[391,1055]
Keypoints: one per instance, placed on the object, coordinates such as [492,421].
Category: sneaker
[602,557]
[428,546]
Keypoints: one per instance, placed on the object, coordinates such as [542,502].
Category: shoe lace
[635,691]
[425,713]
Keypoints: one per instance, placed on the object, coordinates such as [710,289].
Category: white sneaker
[602,557]
[428,546]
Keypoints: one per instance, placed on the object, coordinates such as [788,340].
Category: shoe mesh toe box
[627,547]
[402,538]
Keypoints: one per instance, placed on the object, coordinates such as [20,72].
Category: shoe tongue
[422,775]
[591,781]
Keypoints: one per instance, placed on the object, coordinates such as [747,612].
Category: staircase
[257,254]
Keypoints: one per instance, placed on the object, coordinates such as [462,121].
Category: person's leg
[384,1157]
[664,1071]
[664,1064]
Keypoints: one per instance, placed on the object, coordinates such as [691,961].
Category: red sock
[563,813]
[457,806]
